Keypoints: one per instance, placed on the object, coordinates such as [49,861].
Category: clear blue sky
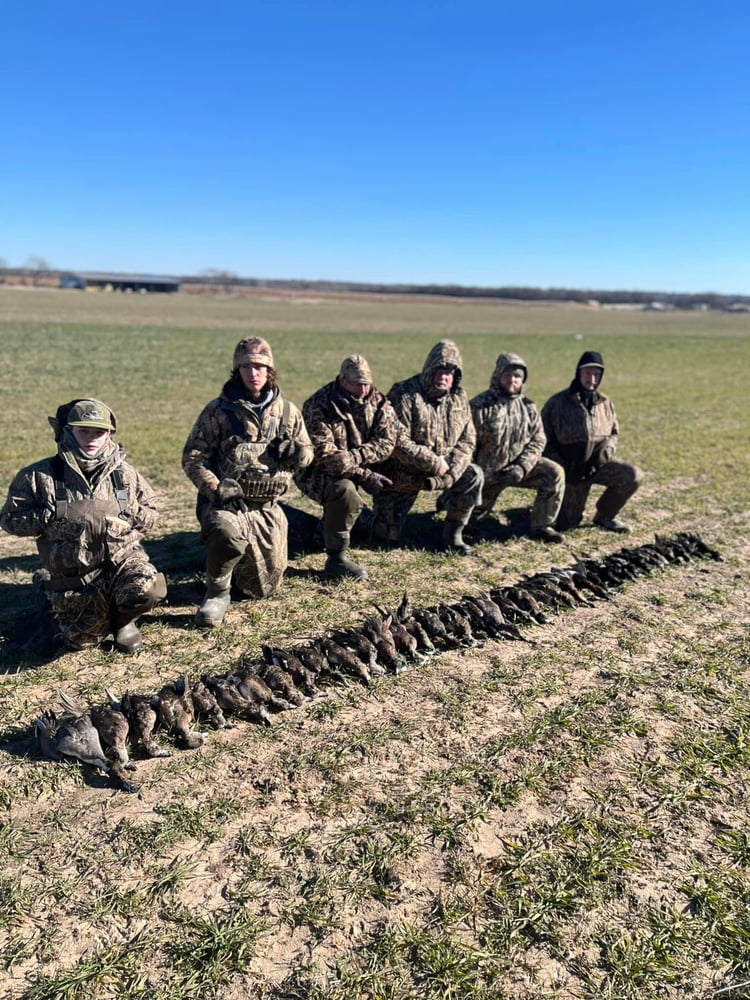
[583,144]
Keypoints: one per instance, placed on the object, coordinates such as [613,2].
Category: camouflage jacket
[89,530]
[348,436]
[230,441]
[435,426]
[579,438]
[509,428]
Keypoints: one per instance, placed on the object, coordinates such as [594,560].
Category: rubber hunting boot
[215,603]
[127,637]
[452,539]
[338,567]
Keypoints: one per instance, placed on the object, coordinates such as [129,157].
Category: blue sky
[580,144]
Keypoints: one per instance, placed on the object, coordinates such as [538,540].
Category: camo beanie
[253,351]
[355,369]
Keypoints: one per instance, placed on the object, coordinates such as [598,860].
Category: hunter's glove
[231,497]
[510,476]
[438,482]
[603,453]
[375,483]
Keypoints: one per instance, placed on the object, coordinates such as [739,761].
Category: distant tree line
[675,300]
[37,269]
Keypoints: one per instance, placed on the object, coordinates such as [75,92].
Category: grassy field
[567,819]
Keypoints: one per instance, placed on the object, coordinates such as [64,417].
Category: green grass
[560,820]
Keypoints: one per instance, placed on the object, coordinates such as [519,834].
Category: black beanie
[590,358]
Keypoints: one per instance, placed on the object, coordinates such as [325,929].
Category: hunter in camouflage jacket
[510,442]
[509,428]
[230,440]
[88,539]
[437,425]
[348,437]
[234,441]
[433,452]
[73,548]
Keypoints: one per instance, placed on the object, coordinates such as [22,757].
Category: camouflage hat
[355,369]
[91,413]
[253,351]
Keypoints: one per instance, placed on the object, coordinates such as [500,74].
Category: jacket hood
[507,360]
[444,354]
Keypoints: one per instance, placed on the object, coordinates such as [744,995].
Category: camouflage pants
[251,546]
[84,617]
[620,481]
[547,478]
[390,508]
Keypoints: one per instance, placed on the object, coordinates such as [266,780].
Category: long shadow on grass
[177,555]
[517,525]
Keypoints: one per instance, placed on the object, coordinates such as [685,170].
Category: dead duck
[511,611]
[547,591]
[435,627]
[525,600]
[302,677]
[279,680]
[567,594]
[405,643]
[482,622]
[344,660]
[314,658]
[175,711]
[362,647]
[110,722]
[585,581]
[458,625]
[406,618]
[621,569]
[566,582]
[255,689]
[142,720]
[652,558]
[701,548]
[674,549]
[206,706]
[74,737]
[231,701]
[604,574]
[378,631]
[495,619]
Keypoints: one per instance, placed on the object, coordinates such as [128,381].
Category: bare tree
[38,265]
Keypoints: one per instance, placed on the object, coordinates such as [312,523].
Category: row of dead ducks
[388,642]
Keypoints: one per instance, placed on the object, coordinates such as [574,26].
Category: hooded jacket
[230,439]
[347,435]
[509,428]
[436,424]
[581,426]
[90,529]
